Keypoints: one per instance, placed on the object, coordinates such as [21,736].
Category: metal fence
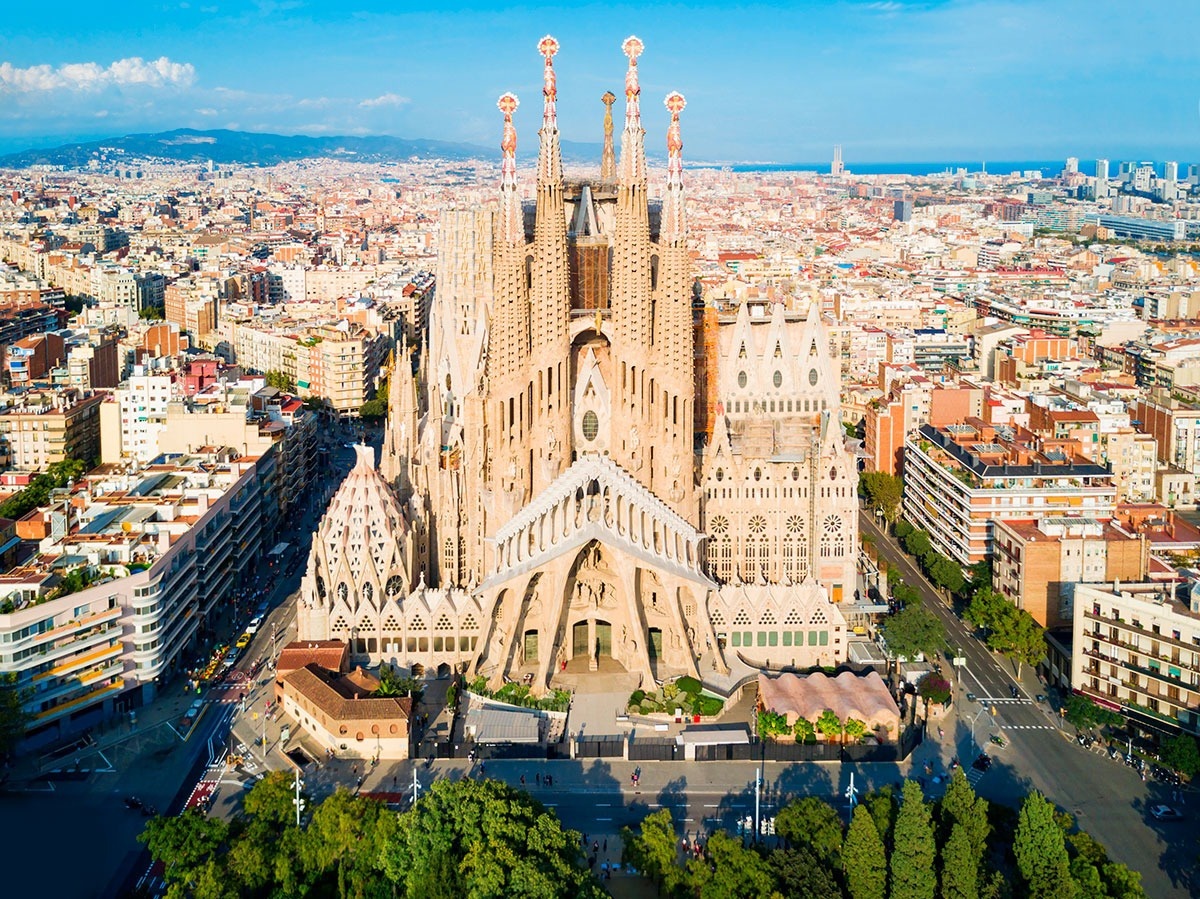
[654,749]
[600,747]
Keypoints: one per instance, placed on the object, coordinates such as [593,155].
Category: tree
[902,529]
[813,823]
[505,843]
[913,875]
[979,576]
[801,875]
[864,862]
[279,381]
[960,807]
[151,313]
[960,866]
[652,849]
[829,724]
[188,846]
[882,804]
[917,543]
[772,723]
[944,572]
[1019,638]
[730,871]
[934,688]
[1181,754]
[14,717]
[1122,882]
[345,835]
[986,608]
[1041,851]
[855,729]
[1083,713]
[805,731]
[914,632]
[884,492]
[270,801]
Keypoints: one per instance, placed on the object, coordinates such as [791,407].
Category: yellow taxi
[244,640]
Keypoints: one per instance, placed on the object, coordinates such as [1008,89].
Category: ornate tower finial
[673,223]
[510,202]
[548,47]
[632,47]
[549,153]
[633,150]
[608,160]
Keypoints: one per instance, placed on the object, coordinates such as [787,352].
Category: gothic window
[742,352]
[417,624]
[391,624]
[777,379]
[795,549]
[720,549]
[758,525]
[778,352]
[758,474]
[469,623]
[742,379]
[320,586]
[767,619]
[448,557]
[368,592]
[719,524]
[757,551]
[395,586]
[741,618]
[833,545]
[720,474]
[462,560]
[818,617]
[795,473]
[792,618]
[443,623]
[813,377]
[339,624]
[343,592]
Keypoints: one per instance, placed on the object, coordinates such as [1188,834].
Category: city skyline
[889,81]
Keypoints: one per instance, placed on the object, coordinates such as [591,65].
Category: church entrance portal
[591,639]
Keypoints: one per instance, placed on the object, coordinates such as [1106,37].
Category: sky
[889,80]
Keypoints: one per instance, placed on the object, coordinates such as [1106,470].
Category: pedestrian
[606,844]
[393,782]
[538,777]
[522,780]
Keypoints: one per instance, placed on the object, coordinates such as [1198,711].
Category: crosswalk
[1027,727]
[988,700]
[974,776]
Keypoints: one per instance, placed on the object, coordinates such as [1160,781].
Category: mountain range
[225,147]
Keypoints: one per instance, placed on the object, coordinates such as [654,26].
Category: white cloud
[384,100]
[91,76]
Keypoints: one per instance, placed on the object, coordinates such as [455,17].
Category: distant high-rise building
[903,210]
[1125,172]
[837,168]
[1193,174]
[1168,190]
[1101,179]
[1072,165]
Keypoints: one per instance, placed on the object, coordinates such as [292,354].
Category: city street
[1108,798]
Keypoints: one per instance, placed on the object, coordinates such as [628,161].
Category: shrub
[688,685]
[707,706]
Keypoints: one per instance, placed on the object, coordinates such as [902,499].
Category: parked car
[1165,813]
[244,640]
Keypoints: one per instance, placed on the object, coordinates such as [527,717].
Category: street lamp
[983,711]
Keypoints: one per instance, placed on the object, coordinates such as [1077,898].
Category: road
[1108,799]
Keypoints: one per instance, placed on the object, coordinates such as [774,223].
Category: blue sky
[889,80]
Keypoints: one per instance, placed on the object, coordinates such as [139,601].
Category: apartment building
[1136,649]
[31,359]
[132,564]
[962,478]
[1037,563]
[48,425]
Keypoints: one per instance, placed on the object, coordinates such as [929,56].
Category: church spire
[510,201]
[549,152]
[673,224]
[608,160]
[633,148]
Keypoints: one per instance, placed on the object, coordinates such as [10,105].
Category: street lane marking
[712,805]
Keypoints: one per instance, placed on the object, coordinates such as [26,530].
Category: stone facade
[544,455]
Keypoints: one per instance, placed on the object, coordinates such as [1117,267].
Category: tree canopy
[914,631]
[883,492]
[462,839]
[1084,713]
[1181,753]
[13,716]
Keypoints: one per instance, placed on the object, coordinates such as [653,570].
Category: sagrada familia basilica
[542,500]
